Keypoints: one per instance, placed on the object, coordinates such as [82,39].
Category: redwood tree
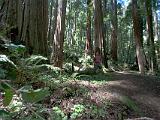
[52,32]
[59,34]
[33,25]
[152,55]
[8,16]
[98,23]
[137,36]
[114,22]
[88,48]
[55,18]
[105,40]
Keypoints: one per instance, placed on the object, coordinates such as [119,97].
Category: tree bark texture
[105,30]
[98,24]
[33,25]
[88,47]
[114,22]
[59,34]
[152,54]
[137,36]
[8,15]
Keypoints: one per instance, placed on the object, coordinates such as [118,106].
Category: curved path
[144,90]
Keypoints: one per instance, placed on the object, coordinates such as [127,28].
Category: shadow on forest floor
[115,95]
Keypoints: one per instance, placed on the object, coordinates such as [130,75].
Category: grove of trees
[126,34]
[48,68]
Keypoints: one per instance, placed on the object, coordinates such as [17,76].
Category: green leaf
[74,115]
[5,86]
[8,68]
[8,96]
[35,60]
[34,96]
[15,49]
[25,88]
[3,113]
[5,59]
[58,113]
[21,49]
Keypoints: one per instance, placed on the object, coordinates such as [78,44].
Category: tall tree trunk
[20,19]
[53,30]
[50,22]
[157,34]
[156,26]
[59,34]
[138,36]
[105,28]
[12,13]
[3,14]
[114,22]
[98,24]
[33,30]
[8,18]
[55,17]
[24,37]
[153,66]
[88,48]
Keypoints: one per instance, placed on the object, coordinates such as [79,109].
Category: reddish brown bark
[114,30]
[98,23]
[59,34]
[152,56]
[88,48]
[138,36]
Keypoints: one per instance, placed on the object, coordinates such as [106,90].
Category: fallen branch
[141,118]
[5,80]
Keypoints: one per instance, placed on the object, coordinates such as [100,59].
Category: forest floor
[117,96]
[144,90]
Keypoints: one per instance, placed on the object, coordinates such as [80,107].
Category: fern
[15,50]
[35,60]
[8,68]
[5,59]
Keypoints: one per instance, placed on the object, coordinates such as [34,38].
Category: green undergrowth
[97,78]
[32,89]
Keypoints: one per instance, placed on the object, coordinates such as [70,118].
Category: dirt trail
[111,90]
[144,90]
